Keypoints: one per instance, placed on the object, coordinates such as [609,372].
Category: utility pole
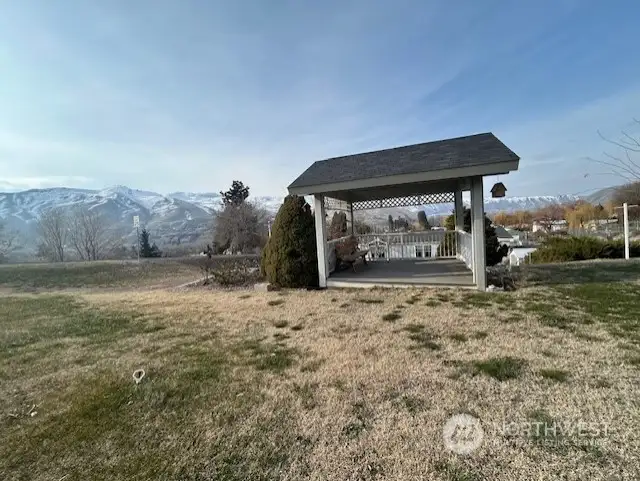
[136,224]
[625,209]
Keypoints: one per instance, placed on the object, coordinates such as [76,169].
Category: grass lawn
[335,384]
[114,274]
[599,270]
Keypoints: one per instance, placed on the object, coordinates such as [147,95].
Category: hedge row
[566,249]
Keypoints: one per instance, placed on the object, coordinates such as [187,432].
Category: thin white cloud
[14,184]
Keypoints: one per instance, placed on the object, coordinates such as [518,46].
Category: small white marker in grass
[138,376]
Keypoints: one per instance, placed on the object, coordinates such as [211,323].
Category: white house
[551,226]
[518,255]
[518,236]
[504,236]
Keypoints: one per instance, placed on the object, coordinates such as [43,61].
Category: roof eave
[497,168]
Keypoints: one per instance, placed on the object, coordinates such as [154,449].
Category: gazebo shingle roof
[461,152]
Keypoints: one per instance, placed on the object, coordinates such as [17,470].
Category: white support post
[353,230]
[321,239]
[625,210]
[459,218]
[459,210]
[477,233]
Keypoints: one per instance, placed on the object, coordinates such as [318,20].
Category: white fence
[409,245]
[465,247]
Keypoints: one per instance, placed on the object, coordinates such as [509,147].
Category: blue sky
[170,95]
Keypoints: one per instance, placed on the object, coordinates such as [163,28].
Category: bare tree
[88,234]
[6,242]
[54,228]
[241,227]
[625,163]
[629,193]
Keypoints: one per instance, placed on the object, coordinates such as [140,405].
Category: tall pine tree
[290,258]
[236,195]
[339,225]
[146,248]
[422,220]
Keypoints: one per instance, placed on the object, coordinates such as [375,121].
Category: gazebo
[413,175]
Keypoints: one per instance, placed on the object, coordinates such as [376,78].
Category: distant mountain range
[177,218]
[601,196]
[186,217]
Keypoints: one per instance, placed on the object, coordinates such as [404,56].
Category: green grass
[509,318]
[606,271]
[455,472]
[413,299]
[307,394]
[459,337]
[96,274]
[502,368]
[549,313]
[36,320]
[614,306]
[312,366]
[391,316]
[422,338]
[634,361]
[478,299]
[601,383]
[361,417]
[557,375]
[99,425]
[370,301]
[444,296]
[230,397]
[542,426]
[617,307]
[275,302]
[413,404]
[266,356]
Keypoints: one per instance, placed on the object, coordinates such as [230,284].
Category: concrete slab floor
[437,272]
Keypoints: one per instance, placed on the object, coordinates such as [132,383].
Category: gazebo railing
[409,245]
[464,243]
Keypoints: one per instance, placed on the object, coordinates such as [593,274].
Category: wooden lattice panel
[424,199]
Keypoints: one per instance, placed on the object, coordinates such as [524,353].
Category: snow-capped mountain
[511,204]
[184,217]
[176,218]
[491,205]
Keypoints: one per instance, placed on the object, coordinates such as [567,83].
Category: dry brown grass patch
[231,395]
